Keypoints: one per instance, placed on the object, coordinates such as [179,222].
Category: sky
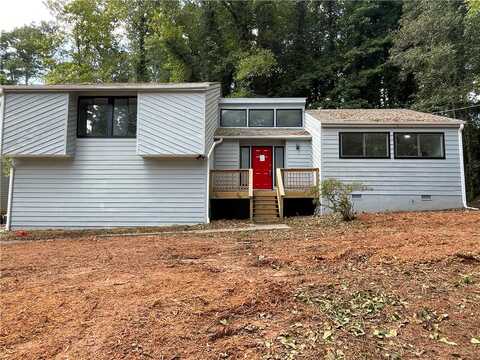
[15,13]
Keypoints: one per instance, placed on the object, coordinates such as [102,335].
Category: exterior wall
[397,184]
[72,124]
[171,124]
[107,185]
[3,190]
[212,118]
[35,124]
[314,127]
[227,155]
[300,158]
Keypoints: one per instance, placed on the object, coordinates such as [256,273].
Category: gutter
[10,197]
[462,169]
[207,211]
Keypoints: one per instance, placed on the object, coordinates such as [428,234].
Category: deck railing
[300,179]
[237,180]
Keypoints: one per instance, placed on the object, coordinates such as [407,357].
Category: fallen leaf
[446,341]
[475,341]
[327,334]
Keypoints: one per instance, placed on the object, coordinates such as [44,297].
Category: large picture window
[260,118]
[419,145]
[233,118]
[365,145]
[103,117]
[289,117]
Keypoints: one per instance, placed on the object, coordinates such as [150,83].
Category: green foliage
[27,52]
[337,196]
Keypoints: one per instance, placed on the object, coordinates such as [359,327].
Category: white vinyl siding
[227,155]
[4,179]
[35,124]
[396,176]
[298,158]
[107,185]
[171,124]
[314,127]
[212,118]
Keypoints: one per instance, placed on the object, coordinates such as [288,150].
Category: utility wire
[462,108]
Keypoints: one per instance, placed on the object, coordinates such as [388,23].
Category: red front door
[262,167]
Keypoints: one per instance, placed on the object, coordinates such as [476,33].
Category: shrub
[337,196]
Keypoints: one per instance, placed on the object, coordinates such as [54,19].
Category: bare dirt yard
[391,286]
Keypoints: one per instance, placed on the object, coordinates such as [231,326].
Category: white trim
[303,137]
[390,125]
[10,197]
[207,209]
[263,100]
[462,169]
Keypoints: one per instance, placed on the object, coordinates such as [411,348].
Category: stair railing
[280,191]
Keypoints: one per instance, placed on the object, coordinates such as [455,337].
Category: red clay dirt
[386,286]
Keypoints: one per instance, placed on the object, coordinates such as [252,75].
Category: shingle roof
[380,117]
[271,133]
[111,86]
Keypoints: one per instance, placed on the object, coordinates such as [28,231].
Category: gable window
[260,118]
[233,118]
[419,145]
[365,145]
[103,117]
[289,117]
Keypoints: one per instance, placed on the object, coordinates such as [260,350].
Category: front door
[262,167]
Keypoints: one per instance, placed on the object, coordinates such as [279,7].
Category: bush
[337,196]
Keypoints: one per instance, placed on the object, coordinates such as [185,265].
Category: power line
[462,108]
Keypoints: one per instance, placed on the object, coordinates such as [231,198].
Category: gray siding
[171,124]
[314,127]
[397,184]
[227,155]
[212,118]
[72,124]
[301,158]
[107,185]
[4,179]
[35,124]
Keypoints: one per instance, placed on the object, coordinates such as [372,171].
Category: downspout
[10,196]
[207,212]
[462,169]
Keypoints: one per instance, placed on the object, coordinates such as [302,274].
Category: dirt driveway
[396,286]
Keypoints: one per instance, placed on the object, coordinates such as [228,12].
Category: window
[419,146]
[279,160]
[289,118]
[365,145]
[260,118]
[233,118]
[244,157]
[107,117]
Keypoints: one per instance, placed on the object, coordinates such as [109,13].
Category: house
[3,190]
[159,154]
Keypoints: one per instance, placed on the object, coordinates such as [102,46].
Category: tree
[27,52]
[93,52]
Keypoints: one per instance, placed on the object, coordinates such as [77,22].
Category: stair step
[272,211]
[265,193]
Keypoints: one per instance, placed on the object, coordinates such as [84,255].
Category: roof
[270,100]
[111,86]
[270,133]
[380,117]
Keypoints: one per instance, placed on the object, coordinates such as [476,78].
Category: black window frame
[443,157]
[364,156]
[302,120]
[111,101]
[263,109]
[229,109]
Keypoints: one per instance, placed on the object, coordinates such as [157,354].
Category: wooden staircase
[265,206]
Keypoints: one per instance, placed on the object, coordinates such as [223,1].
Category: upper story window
[104,117]
[233,118]
[365,145]
[289,117]
[260,118]
[419,145]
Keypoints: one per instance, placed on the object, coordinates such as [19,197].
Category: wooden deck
[238,184]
